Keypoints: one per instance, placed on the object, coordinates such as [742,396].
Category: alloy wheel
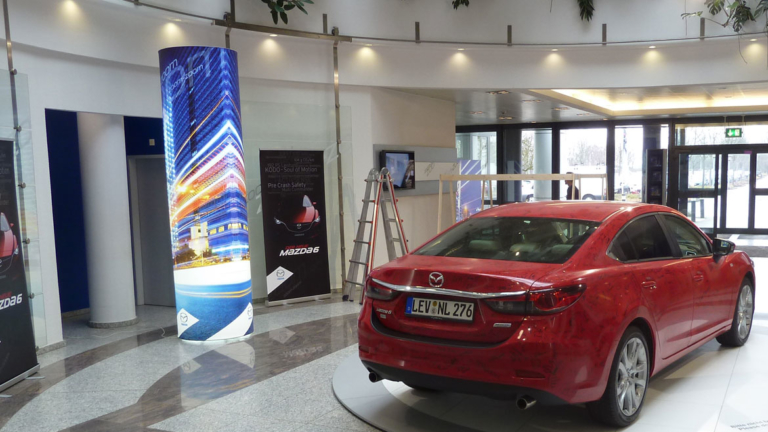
[632,376]
[744,311]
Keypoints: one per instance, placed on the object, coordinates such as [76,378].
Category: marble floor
[143,378]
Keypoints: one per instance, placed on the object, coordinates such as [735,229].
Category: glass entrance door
[723,189]
[699,189]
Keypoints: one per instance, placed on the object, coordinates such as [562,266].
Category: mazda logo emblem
[436,279]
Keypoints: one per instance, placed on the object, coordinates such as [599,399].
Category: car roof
[596,211]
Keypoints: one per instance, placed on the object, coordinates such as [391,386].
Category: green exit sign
[733,132]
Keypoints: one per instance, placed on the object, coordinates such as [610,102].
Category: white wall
[399,118]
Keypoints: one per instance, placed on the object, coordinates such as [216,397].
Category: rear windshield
[539,240]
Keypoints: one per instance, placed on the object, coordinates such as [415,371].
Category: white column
[106,214]
[542,163]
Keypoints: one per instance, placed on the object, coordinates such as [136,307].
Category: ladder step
[365,221]
[396,240]
[358,262]
[354,283]
[363,242]
[367,200]
[390,220]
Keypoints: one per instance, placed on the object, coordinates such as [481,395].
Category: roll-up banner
[295,237]
[17,338]
[206,192]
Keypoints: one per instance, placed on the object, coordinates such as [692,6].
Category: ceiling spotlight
[753,40]
[652,47]
[177,20]
[369,45]
[554,50]
[498,92]
[461,49]
[272,35]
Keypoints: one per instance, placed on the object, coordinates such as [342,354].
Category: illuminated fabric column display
[206,192]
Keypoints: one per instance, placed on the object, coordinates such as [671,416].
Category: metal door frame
[721,197]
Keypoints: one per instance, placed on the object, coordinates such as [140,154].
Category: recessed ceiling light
[505,117]
[177,20]
[753,40]
[498,92]
[461,49]
[476,112]
[533,122]
[605,119]
[368,45]
[554,49]
[560,108]
[272,35]
[652,47]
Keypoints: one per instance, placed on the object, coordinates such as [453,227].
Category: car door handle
[698,277]
[649,284]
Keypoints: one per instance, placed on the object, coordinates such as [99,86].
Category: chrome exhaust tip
[525,402]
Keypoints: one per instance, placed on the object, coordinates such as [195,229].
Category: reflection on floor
[143,378]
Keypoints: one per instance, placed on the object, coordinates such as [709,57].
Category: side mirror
[723,247]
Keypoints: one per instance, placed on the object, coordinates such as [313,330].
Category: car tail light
[554,300]
[378,292]
[542,302]
[510,305]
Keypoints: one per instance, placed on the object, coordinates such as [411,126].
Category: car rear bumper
[545,359]
[436,382]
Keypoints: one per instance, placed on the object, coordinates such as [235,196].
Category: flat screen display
[401,166]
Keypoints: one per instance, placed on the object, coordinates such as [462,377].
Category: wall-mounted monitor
[401,166]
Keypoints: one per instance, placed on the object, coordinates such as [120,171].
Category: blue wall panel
[67,201]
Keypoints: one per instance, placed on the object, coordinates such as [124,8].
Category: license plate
[441,309]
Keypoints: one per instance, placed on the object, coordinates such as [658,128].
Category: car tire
[630,372]
[741,326]
[589,197]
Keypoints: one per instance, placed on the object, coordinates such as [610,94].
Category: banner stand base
[19,378]
[218,341]
[297,300]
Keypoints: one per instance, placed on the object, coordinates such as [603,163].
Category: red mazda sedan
[561,302]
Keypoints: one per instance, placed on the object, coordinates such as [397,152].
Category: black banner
[295,237]
[17,339]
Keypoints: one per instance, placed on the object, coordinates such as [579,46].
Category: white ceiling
[478,106]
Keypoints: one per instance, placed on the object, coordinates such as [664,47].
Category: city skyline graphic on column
[205,176]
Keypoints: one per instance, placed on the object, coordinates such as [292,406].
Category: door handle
[649,284]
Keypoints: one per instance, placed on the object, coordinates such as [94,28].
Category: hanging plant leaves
[586,9]
[715,6]
[279,8]
[457,3]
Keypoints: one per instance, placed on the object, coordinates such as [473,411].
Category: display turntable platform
[712,389]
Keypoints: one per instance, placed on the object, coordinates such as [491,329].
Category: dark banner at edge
[295,235]
[17,338]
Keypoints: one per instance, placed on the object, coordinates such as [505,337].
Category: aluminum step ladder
[364,249]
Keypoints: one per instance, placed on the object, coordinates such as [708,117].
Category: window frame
[674,242]
[673,247]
